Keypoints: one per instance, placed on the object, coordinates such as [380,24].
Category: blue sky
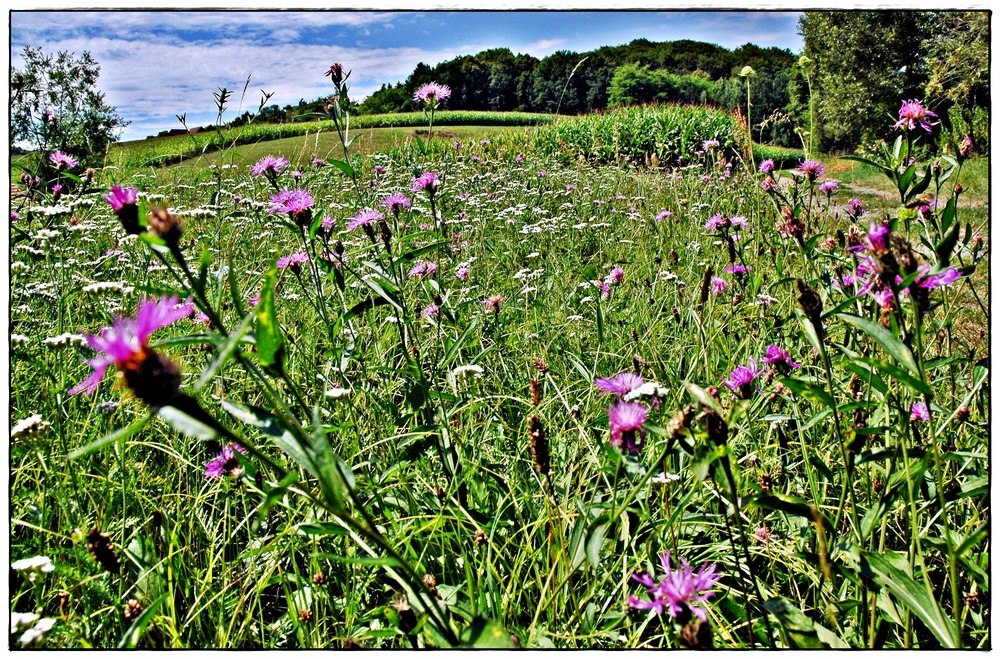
[156,64]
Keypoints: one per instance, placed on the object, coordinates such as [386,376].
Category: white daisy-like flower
[36,633]
[33,566]
[19,339]
[469,369]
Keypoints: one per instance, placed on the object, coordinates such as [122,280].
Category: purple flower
[126,345]
[364,218]
[919,412]
[378,169]
[327,222]
[912,114]
[270,166]
[679,588]
[716,222]
[878,238]
[431,311]
[767,185]
[121,197]
[292,260]
[766,166]
[226,463]
[616,275]
[737,269]
[812,169]
[884,298]
[483,142]
[292,202]
[625,418]
[719,285]
[519,158]
[739,221]
[570,187]
[663,215]
[462,272]
[542,173]
[493,302]
[709,144]
[855,209]
[619,384]
[396,202]
[941,279]
[458,145]
[426,181]
[779,358]
[432,92]
[423,269]
[828,186]
[741,379]
[60,159]
[317,161]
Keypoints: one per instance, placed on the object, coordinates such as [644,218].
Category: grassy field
[481,418]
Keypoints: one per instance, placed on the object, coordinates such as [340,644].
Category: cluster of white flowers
[65,339]
[34,627]
[30,427]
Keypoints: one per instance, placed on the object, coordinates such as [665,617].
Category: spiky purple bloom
[423,269]
[270,165]
[126,343]
[919,412]
[121,197]
[766,166]
[364,218]
[616,275]
[292,260]
[828,186]
[884,298]
[737,269]
[432,92]
[679,588]
[878,238]
[812,169]
[396,202]
[225,463]
[60,159]
[619,384]
[779,358]
[426,181]
[941,279]
[767,185]
[462,272]
[716,222]
[432,311]
[709,144]
[663,215]
[292,202]
[739,221]
[913,114]
[626,419]
[742,377]
[855,209]
[719,285]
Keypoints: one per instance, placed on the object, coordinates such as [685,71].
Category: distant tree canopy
[642,71]
[865,63]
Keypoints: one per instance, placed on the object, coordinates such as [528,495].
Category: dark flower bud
[154,379]
[966,147]
[166,226]
[697,635]
[812,305]
[539,445]
[99,545]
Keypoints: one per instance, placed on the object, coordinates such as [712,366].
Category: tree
[55,105]
[865,63]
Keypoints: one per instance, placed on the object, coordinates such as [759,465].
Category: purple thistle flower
[121,197]
[709,144]
[663,215]
[426,181]
[884,298]
[878,238]
[462,272]
[619,384]
[828,186]
[741,379]
[767,185]
[812,169]
[766,166]
[737,269]
[719,285]
[292,260]
[919,412]
[625,418]
[855,209]
[327,222]
[126,346]
[60,159]
[739,221]
[912,114]
[519,158]
[779,358]
[431,311]
[941,279]
[396,202]
[364,218]
[270,166]
[616,276]
[423,269]
[716,222]
[226,463]
[292,202]
[679,588]
[493,302]
[378,169]
[432,92]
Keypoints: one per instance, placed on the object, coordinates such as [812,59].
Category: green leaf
[131,638]
[947,245]
[270,350]
[810,331]
[785,503]
[800,632]
[703,397]
[948,214]
[484,633]
[185,424]
[342,166]
[884,338]
[868,161]
[595,539]
[111,438]
[918,599]
[885,368]
[270,426]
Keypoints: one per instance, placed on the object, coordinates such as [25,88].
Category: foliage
[55,106]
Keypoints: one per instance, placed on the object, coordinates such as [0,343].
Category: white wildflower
[65,339]
[473,369]
[337,393]
[647,389]
[30,427]
[33,566]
